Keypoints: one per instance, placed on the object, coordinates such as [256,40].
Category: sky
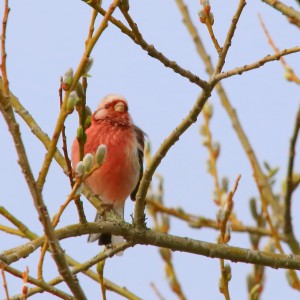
[43,41]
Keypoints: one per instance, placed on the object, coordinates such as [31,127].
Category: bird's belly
[117,177]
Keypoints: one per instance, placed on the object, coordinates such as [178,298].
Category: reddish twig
[4,282]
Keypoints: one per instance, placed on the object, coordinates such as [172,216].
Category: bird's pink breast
[119,174]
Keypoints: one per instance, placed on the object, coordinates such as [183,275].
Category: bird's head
[112,106]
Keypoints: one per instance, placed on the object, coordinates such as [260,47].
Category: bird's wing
[140,135]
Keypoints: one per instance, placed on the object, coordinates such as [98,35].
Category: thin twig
[85,266]
[138,39]
[64,139]
[63,112]
[257,64]
[200,221]
[261,179]
[213,155]
[289,72]
[45,287]
[224,238]
[156,291]
[229,37]
[288,227]
[12,231]
[77,266]
[4,282]
[3,50]
[161,224]
[25,283]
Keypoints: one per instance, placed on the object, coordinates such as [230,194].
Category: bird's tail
[107,238]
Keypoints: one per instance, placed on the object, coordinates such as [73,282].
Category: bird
[120,174]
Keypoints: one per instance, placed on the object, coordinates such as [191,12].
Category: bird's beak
[120,107]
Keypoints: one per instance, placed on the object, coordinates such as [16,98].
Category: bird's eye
[106,106]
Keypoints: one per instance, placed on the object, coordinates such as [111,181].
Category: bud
[101,154]
[225,183]
[87,67]
[216,149]
[71,102]
[253,208]
[79,90]
[211,18]
[67,79]
[79,169]
[88,162]
[288,73]
[227,236]
[208,110]
[87,122]
[202,16]
[81,135]
[88,111]
[220,215]
[207,9]
[78,104]
[228,272]
[202,130]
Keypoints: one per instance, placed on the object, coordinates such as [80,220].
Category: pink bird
[120,174]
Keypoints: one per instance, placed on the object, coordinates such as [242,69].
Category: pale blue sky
[45,39]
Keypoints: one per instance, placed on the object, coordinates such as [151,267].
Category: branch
[175,243]
[43,285]
[77,266]
[162,151]
[284,9]
[229,37]
[288,228]
[200,221]
[261,179]
[58,253]
[85,266]
[257,64]
[63,112]
[138,39]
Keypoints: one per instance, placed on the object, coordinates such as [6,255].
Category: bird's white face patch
[110,98]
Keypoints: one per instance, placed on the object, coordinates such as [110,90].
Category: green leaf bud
[208,110]
[71,102]
[67,79]
[87,67]
[88,162]
[79,90]
[101,154]
[79,169]
[87,122]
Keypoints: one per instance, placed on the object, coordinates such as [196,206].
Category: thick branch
[175,243]
[284,9]
[162,151]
